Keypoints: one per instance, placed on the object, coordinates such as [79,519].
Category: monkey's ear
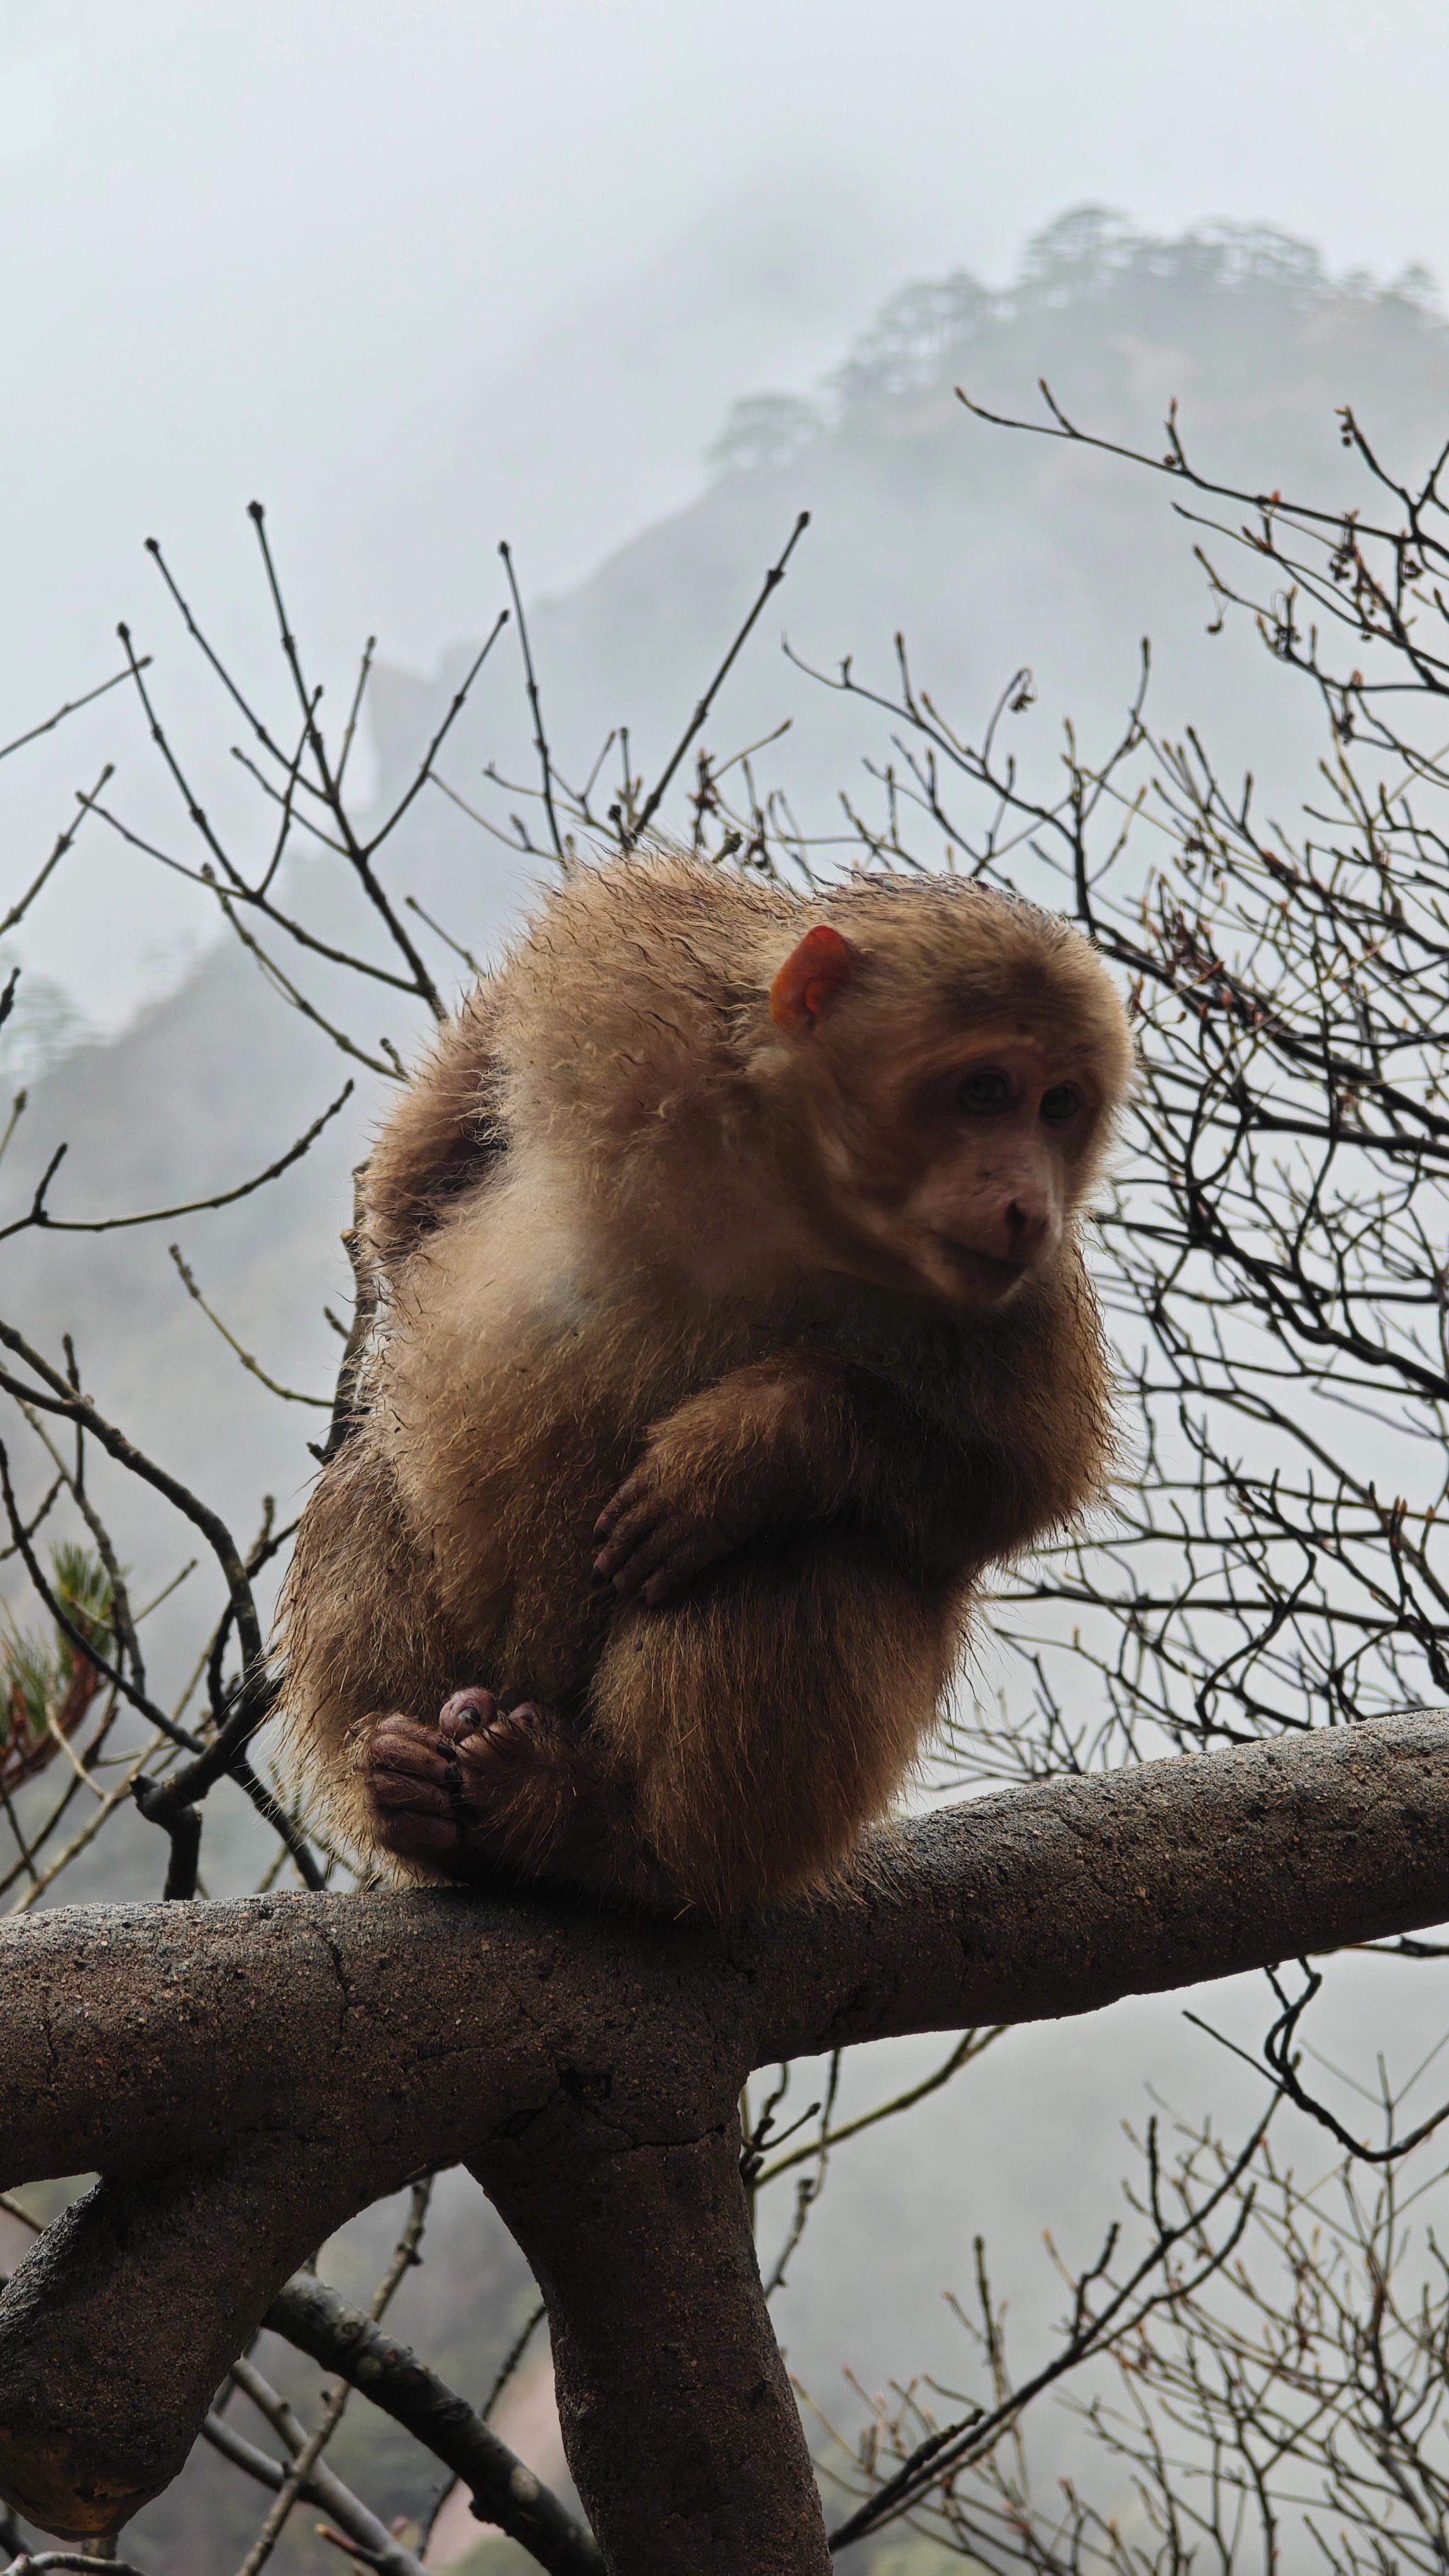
[817,968]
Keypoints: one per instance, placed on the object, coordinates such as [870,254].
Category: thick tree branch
[245,2076]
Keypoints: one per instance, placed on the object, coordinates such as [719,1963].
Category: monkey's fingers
[527,1740]
[663,1558]
[632,1490]
[417,1803]
[676,1554]
[636,1510]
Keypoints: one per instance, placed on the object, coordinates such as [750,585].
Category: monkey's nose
[1026,1227]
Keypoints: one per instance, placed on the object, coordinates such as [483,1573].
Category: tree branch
[311,2316]
[245,2076]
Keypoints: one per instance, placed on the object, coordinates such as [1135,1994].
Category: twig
[282,983]
[305,2460]
[946,2451]
[113,1798]
[631,834]
[512,2358]
[971,2044]
[39,1214]
[64,842]
[540,738]
[464,954]
[32,2562]
[312,2317]
[1282,2067]
[364,673]
[72,707]
[365,1296]
[21,1845]
[321,2486]
[289,1394]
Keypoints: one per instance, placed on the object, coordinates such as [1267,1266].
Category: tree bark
[714,2474]
[246,2076]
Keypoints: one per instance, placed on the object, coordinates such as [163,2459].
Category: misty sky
[421,273]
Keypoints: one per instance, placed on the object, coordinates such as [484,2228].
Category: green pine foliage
[46,1682]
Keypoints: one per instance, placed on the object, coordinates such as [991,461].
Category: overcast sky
[421,273]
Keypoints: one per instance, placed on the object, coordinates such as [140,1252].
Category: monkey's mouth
[983,1273]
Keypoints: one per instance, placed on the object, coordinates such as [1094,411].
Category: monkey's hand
[727,1465]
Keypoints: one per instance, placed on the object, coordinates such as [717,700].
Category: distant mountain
[987,548]
[1191,315]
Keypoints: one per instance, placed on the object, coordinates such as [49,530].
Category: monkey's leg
[361,1629]
[771,1710]
[523,1790]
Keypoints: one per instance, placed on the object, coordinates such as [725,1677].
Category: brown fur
[607,1219]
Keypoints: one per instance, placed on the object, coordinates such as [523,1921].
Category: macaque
[734,1324]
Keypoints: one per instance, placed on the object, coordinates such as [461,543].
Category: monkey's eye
[988,1089]
[1060,1104]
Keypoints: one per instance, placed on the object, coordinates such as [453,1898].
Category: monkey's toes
[442,1793]
[410,1775]
[468,1712]
[415,1774]
[521,1741]
[406,1748]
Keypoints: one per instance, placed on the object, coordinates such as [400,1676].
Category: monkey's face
[949,1160]
[956,1170]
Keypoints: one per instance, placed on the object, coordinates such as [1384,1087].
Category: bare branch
[39,1214]
[633,832]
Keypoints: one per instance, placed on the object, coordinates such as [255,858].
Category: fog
[424,275]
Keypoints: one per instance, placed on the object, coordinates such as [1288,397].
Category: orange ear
[816,969]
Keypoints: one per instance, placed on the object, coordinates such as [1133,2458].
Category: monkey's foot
[480,1786]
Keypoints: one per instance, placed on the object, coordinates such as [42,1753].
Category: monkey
[734,1323]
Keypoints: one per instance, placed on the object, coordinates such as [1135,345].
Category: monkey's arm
[786,1439]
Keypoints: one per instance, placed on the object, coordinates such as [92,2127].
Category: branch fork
[245,2076]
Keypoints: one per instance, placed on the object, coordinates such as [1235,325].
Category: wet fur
[586,1217]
